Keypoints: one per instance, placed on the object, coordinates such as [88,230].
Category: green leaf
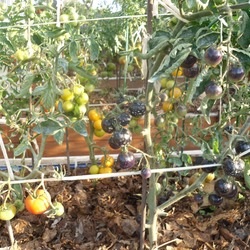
[94,49]
[73,51]
[158,37]
[176,161]
[22,147]
[244,38]
[247,173]
[55,33]
[26,84]
[39,90]
[206,40]
[59,136]
[188,33]
[206,106]
[243,56]
[80,128]
[63,65]
[48,127]
[172,61]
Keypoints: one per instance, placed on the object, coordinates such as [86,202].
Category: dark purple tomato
[242,146]
[213,56]
[120,138]
[215,199]
[189,62]
[198,198]
[192,72]
[146,173]
[225,188]
[137,108]
[236,73]
[229,129]
[233,167]
[124,118]
[213,91]
[125,160]
[108,124]
[181,110]
[208,169]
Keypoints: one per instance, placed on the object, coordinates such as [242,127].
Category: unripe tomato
[83,98]
[67,95]
[38,202]
[68,106]
[7,211]
[94,169]
[107,161]
[78,89]
[58,208]
[99,132]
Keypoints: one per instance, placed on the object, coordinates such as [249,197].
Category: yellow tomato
[105,170]
[68,106]
[94,115]
[177,72]
[107,161]
[167,106]
[175,93]
[97,124]
[78,89]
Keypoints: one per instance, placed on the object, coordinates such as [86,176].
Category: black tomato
[208,169]
[124,118]
[225,188]
[108,124]
[120,138]
[236,73]
[213,56]
[146,173]
[192,72]
[233,167]
[242,146]
[213,91]
[125,160]
[189,62]
[215,199]
[137,108]
[198,198]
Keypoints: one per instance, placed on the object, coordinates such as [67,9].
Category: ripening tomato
[68,106]
[94,169]
[107,161]
[177,72]
[99,132]
[38,202]
[167,106]
[83,98]
[7,211]
[175,93]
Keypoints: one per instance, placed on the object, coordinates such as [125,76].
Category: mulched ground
[105,214]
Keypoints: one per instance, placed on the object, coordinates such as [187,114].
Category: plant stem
[182,193]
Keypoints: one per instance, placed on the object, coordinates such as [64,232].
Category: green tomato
[89,87]
[7,211]
[58,208]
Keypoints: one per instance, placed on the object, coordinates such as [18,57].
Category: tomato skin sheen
[38,203]
[7,211]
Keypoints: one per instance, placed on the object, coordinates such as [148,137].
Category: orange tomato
[167,106]
[107,161]
[105,170]
[94,115]
[38,202]
[175,93]
[97,124]
[177,72]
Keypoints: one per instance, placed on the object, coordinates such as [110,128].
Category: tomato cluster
[96,119]
[73,101]
[106,165]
